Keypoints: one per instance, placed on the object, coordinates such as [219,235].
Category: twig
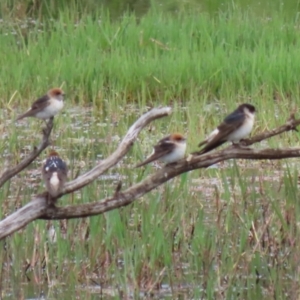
[9,173]
[291,124]
[120,152]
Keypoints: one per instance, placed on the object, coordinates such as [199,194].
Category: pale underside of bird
[168,150]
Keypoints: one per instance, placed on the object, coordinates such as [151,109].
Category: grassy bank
[161,56]
[226,232]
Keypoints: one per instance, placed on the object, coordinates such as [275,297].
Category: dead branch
[33,211]
[291,124]
[28,213]
[122,149]
[152,181]
[39,209]
[9,173]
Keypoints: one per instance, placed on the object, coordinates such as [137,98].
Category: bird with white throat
[235,127]
[46,106]
[54,173]
[168,150]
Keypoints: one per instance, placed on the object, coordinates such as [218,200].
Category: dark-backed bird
[46,106]
[54,172]
[168,150]
[234,128]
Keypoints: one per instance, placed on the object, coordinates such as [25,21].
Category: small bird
[168,150]
[47,106]
[234,128]
[54,172]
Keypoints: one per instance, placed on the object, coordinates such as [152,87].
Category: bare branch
[121,151]
[291,124]
[151,182]
[30,212]
[9,173]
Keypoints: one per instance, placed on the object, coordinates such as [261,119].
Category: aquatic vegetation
[225,232]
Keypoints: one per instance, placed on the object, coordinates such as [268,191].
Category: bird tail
[26,114]
[20,117]
[201,151]
[140,165]
[202,143]
[145,162]
[209,147]
[198,152]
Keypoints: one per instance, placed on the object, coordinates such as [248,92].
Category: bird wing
[235,117]
[161,149]
[230,123]
[37,105]
[63,174]
[61,166]
[55,164]
[40,103]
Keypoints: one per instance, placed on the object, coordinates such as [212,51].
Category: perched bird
[168,150]
[47,106]
[54,172]
[234,128]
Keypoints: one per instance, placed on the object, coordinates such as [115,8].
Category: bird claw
[50,200]
[291,122]
[240,145]
[118,189]
[172,164]
[48,127]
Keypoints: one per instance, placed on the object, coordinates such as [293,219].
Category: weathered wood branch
[291,124]
[26,214]
[32,211]
[161,176]
[122,149]
[38,208]
[9,173]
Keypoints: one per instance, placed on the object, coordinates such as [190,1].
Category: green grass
[160,57]
[228,232]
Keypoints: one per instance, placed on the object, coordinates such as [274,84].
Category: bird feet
[240,145]
[46,130]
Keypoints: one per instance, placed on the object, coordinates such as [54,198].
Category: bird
[235,127]
[168,150]
[54,173]
[46,106]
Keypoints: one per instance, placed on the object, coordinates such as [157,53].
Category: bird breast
[244,130]
[51,110]
[54,181]
[177,154]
